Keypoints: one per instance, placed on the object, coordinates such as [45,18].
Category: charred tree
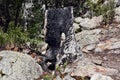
[58,21]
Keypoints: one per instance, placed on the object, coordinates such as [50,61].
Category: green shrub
[47,77]
[16,35]
[3,38]
[102,9]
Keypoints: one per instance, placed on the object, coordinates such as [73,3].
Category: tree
[10,11]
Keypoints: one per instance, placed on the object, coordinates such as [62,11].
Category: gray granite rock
[18,66]
[87,23]
[87,37]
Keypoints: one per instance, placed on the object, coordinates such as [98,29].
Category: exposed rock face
[100,40]
[88,37]
[85,67]
[76,26]
[18,66]
[78,19]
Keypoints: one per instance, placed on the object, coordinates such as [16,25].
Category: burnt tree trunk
[58,21]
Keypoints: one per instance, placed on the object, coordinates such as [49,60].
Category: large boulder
[87,23]
[112,46]
[18,66]
[87,37]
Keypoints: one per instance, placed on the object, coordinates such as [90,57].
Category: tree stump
[58,21]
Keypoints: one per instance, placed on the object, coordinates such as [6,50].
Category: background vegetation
[20,23]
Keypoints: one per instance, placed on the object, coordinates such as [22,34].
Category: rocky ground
[100,45]
[101,49]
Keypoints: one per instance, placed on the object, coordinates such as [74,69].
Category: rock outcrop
[100,40]
[87,23]
[18,66]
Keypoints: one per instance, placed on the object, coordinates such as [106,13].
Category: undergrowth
[102,8]
[17,36]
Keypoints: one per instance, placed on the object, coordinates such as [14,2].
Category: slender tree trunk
[16,16]
[7,14]
[18,10]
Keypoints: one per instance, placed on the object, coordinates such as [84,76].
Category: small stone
[94,1]
[98,49]
[90,47]
[105,58]
[118,26]
[68,77]
[63,36]
[27,43]
[117,19]
[44,47]
[78,19]
[100,77]
[98,62]
[76,26]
